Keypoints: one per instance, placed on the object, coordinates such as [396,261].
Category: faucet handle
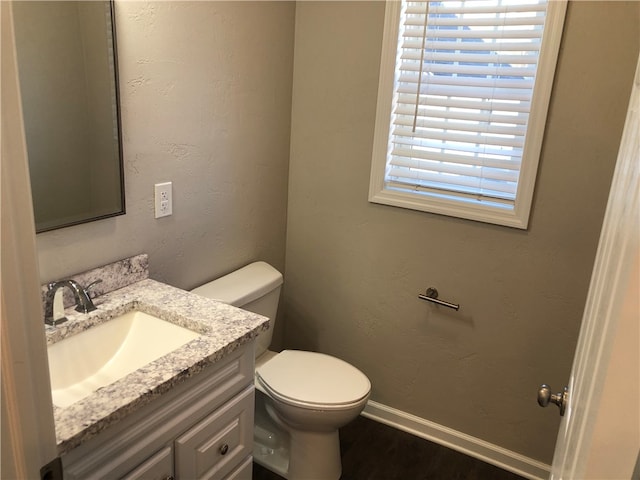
[92,284]
[85,304]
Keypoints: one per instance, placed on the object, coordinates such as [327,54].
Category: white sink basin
[99,356]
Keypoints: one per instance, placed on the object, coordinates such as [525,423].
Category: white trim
[461,442]
[385,92]
[540,101]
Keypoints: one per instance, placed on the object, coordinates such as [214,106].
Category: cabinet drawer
[158,467]
[216,445]
[243,472]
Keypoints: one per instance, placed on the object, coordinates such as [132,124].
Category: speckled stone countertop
[223,329]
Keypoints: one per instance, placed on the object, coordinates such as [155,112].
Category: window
[462,104]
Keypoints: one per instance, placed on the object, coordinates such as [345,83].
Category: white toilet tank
[255,288]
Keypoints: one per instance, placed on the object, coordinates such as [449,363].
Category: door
[599,434]
[28,434]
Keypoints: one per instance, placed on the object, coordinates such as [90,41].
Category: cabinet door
[218,444]
[157,467]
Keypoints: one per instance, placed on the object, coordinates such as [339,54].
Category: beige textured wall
[354,269]
[206,102]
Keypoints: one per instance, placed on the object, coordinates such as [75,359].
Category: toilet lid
[313,378]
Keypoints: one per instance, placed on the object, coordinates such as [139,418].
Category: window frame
[455,205]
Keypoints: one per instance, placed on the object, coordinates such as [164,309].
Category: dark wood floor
[373,451]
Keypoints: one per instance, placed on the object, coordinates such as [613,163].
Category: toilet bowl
[302,398]
[312,395]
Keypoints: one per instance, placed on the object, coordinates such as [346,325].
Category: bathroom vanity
[203,428]
[188,414]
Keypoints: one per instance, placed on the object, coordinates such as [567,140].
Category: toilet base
[308,463]
[311,455]
[294,454]
[275,461]
[314,456]
[270,442]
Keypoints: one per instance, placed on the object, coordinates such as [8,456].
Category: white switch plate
[163,199]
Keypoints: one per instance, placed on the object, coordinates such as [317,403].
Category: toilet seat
[313,380]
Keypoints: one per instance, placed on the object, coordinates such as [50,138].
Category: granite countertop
[223,329]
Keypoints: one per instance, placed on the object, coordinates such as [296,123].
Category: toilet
[302,398]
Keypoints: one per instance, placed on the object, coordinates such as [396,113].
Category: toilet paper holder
[432,296]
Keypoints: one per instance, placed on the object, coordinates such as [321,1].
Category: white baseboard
[461,442]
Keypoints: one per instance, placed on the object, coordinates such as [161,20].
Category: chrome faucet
[84,304]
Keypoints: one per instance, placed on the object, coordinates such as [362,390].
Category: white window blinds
[465,76]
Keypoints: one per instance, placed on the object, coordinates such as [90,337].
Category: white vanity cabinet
[158,467]
[202,428]
[214,446]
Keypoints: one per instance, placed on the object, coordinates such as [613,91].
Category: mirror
[68,79]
